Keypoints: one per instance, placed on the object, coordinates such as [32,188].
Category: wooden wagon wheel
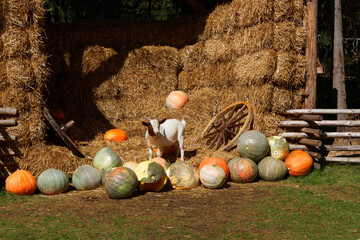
[226,127]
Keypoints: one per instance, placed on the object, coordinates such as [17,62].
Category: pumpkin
[176,99]
[242,170]
[151,176]
[52,181]
[212,176]
[299,163]
[106,159]
[86,177]
[182,175]
[131,164]
[253,144]
[162,161]
[218,161]
[271,169]
[117,135]
[21,182]
[121,182]
[279,147]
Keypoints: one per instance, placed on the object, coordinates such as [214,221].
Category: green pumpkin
[253,144]
[271,169]
[279,147]
[242,170]
[52,181]
[121,182]
[86,177]
[106,159]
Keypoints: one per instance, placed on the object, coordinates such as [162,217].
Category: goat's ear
[162,121]
[146,124]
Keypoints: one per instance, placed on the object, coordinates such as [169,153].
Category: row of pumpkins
[267,158]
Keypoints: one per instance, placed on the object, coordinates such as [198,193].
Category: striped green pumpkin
[121,182]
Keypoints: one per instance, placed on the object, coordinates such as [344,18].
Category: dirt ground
[199,210]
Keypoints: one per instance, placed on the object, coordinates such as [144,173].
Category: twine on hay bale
[256,68]
[252,39]
[249,13]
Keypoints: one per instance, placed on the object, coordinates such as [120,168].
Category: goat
[165,133]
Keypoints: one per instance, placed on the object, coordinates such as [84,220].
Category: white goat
[165,133]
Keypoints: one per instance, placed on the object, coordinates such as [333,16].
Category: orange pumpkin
[176,99]
[117,135]
[21,182]
[299,163]
[218,161]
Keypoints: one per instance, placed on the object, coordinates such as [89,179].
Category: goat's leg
[181,147]
[150,153]
[160,151]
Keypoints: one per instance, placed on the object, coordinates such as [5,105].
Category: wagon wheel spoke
[224,129]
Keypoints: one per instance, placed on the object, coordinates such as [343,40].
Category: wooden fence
[307,131]
[7,162]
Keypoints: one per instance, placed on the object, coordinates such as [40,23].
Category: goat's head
[153,125]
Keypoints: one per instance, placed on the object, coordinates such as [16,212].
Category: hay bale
[285,98]
[284,36]
[289,71]
[258,95]
[267,123]
[256,68]
[220,21]
[218,48]
[289,10]
[250,13]
[191,56]
[249,40]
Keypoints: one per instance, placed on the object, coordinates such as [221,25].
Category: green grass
[322,205]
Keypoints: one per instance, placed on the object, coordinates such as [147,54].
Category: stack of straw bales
[113,73]
[256,49]
[23,66]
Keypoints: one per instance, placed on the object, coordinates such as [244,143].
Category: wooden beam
[325,147]
[306,117]
[323,135]
[342,159]
[8,122]
[310,142]
[311,52]
[311,130]
[323,111]
[8,111]
[325,123]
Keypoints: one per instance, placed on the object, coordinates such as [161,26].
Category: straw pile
[23,67]
[112,73]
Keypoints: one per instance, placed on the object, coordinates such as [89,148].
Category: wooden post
[310,52]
